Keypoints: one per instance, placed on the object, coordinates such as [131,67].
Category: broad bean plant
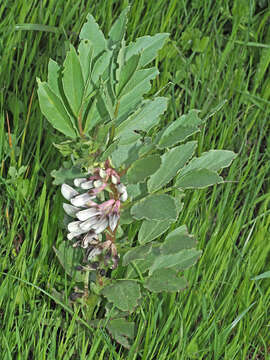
[123,176]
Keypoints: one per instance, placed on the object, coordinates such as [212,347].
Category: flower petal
[113,220]
[88,213]
[121,188]
[77,182]
[68,192]
[70,210]
[86,185]
[73,234]
[101,225]
[124,196]
[88,224]
[81,200]
[74,226]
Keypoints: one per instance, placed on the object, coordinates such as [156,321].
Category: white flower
[88,224]
[101,225]
[88,213]
[81,200]
[114,179]
[113,220]
[79,181]
[102,173]
[124,196]
[74,226]
[87,185]
[71,210]
[68,192]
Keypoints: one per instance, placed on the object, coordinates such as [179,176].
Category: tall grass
[224,314]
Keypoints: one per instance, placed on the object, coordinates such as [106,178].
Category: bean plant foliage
[122,170]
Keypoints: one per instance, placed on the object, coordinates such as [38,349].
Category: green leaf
[148,46]
[53,75]
[155,207]
[151,229]
[73,83]
[85,56]
[178,240]
[264,275]
[143,168]
[178,261]
[54,110]
[198,179]
[127,71]
[125,217]
[100,67]
[143,119]
[200,45]
[211,160]
[121,331]
[110,149]
[124,294]
[165,280]
[139,252]
[180,129]
[133,190]
[70,258]
[143,265]
[171,162]
[132,93]
[62,175]
[117,32]
[92,32]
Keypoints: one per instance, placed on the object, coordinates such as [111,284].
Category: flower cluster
[95,203]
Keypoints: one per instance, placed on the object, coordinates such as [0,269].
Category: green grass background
[224,314]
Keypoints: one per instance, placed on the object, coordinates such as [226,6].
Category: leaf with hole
[92,32]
